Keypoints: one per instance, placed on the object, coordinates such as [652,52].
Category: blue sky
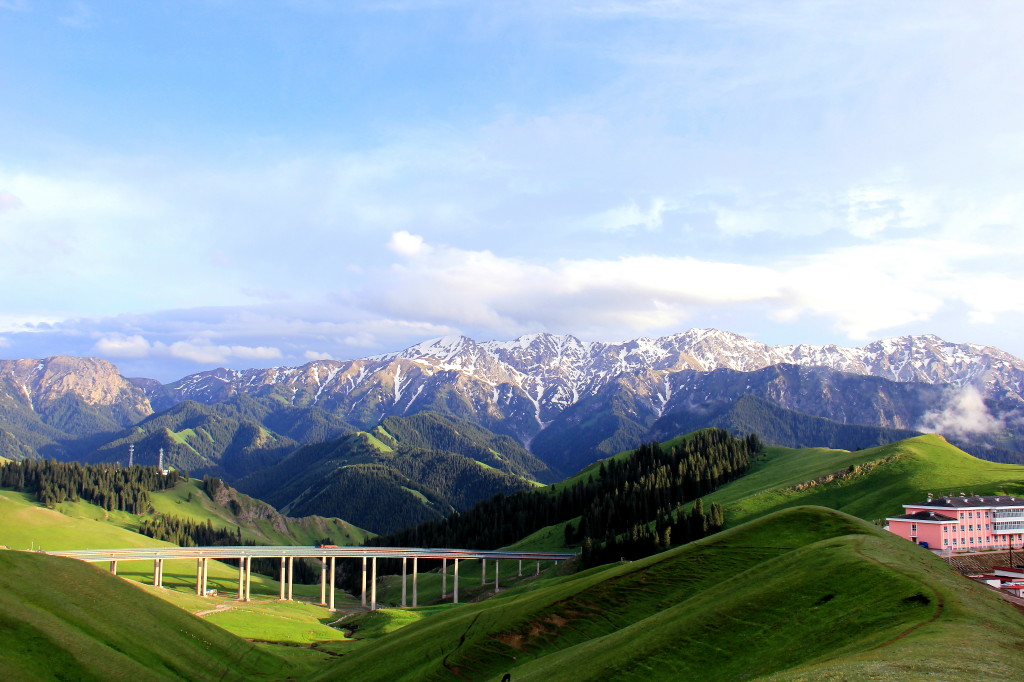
[196,183]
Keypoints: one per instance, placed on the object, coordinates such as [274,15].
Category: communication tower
[131,454]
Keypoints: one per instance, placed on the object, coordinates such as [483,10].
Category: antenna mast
[131,454]
[160,461]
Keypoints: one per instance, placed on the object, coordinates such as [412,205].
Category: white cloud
[204,352]
[316,355]
[121,346]
[9,202]
[406,244]
[631,216]
[964,414]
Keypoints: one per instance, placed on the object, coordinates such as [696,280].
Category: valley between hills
[729,527]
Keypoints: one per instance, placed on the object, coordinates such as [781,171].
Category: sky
[187,184]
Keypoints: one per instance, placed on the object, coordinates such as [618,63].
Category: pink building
[962,523]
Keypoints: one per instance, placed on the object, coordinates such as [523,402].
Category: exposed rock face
[38,384]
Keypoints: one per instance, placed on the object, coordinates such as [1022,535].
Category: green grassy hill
[805,593]
[84,624]
[259,522]
[24,524]
[870,484]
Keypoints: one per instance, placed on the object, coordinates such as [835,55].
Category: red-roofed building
[965,523]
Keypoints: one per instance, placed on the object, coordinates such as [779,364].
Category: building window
[954,541]
[987,526]
[961,515]
[986,515]
[971,527]
[972,541]
[961,527]
[970,515]
[945,529]
[913,528]
[946,541]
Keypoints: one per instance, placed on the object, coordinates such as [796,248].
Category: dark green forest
[110,486]
[615,504]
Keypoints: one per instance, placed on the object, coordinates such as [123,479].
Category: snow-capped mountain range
[554,393]
[551,372]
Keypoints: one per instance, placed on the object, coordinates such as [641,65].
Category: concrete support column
[520,568]
[113,567]
[248,578]
[364,582]
[323,580]
[291,576]
[496,576]
[444,578]
[241,578]
[156,572]
[403,582]
[331,606]
[206,570]
[483,571]
[283,577]
[538,566]
[373,585]
[415,573]
[199,577]
[455,591]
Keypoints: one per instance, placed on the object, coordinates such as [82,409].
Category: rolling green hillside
[85,624]
[880,481]
[802,593]
[24,524]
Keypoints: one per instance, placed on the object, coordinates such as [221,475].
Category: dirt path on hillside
[215,609]
[940,605]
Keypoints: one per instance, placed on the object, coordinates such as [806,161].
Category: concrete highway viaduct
[327,557]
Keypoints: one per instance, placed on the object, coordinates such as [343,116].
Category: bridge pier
[444,578]
[364,583]
[496,562]
[158,572]
[241,578]
[291,576]
[415,573]
[373,585]
[113,567]
[331,606]
[520,568]
[282,576]
[201,569]
[455,591]
[403,582]
[483,571]
[538,566]
[248,578]
[323,581]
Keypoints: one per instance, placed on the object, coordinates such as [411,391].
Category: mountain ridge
[546,390]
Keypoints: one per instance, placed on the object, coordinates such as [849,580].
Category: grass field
[803,593]
[24,525]
[84,624]
[906,472]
